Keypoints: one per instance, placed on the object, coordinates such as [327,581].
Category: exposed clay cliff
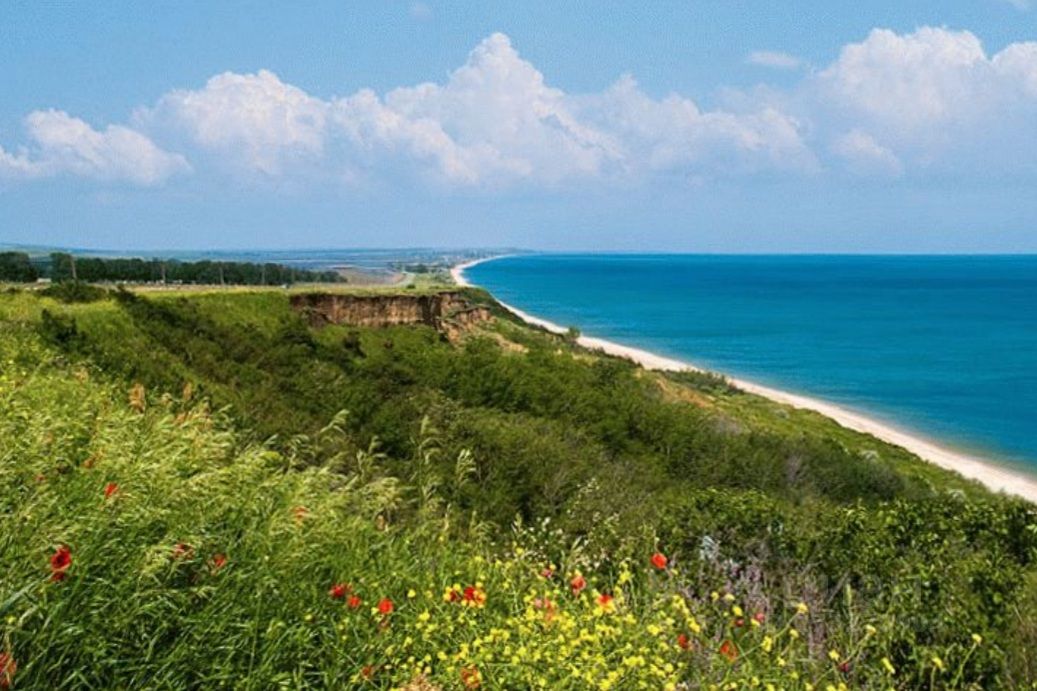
[445,312]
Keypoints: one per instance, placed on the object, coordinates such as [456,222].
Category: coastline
[986,472]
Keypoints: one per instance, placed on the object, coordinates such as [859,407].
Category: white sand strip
[993,476]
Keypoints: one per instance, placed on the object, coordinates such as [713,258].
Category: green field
[249,502]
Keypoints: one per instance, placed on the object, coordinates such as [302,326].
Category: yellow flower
[728,597]
[411,594]
[977,639]
[424,616]
[737,611]
[802,608]
[938,663]
[834,655]
[767,644]
[793,634]
[889,666]
[870,630]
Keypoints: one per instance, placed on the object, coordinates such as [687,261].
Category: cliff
[445,312]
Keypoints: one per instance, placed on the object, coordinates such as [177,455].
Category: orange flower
[8,667]
[218,561]
[659,560]
[729,650]
[60,562]
[300,513]
[385,606]
[577,584]
[683,642]
[605,601]
[110,489]
[353,602]
[367,671]
[471,678]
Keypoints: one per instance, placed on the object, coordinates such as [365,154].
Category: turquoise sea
[943,346]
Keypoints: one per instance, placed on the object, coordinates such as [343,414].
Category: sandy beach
[982,470]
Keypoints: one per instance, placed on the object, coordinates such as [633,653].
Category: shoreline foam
[984,471]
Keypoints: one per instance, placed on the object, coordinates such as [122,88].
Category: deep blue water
[943,346]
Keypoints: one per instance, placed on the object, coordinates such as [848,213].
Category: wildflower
[739,623]
[470,677]
[844,666]
[682,641]
[474,596]
[870,630]
[546,573]
[385,606]
[605,602]
[110,489]
[890,669]
[218,561]
[802,608]
[353,602]
[411,594]
[768,644]
[759,617]
[60,562]
[834,655]
[338,591]
[729,650]
[938,663]
[8,667]
[659,560]
[977,639]
[182,550]
[577,584]
[300,513]
[737,611]
[367,672]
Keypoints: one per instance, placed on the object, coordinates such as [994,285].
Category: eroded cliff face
[445,312]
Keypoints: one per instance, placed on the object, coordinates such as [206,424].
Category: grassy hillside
[215,468]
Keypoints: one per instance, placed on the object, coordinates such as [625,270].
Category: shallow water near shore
[944,346]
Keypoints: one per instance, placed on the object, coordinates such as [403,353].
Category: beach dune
[982,470]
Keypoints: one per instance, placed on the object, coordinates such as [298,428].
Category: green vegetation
[17,267]
[215,467]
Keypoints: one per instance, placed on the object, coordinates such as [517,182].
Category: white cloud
[255,118]
[893,104]
[865,155]
[774,59]
[62,144]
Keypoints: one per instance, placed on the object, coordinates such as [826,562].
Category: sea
[943,347]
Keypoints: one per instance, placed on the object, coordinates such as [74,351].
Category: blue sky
[688,126]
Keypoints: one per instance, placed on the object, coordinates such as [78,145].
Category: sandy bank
[982,470]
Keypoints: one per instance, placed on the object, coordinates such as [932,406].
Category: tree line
[61,266]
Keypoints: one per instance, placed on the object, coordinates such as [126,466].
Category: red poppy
[729,650]
[182,550]
[844,667]
[659,560]
[546,573]
[759,617]
[385,606]
[577,584]
[60,562]
[739,622]
[300,513]
[453,596]
[218,561]
[8,667]
[367,671]
[338,591]
[110,489]
[469,594]
[683,642]
[471,678]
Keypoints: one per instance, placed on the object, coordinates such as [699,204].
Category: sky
[664,126]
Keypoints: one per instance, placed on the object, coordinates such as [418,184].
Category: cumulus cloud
[62,144]
[862,153]
[890,104]
[774,59]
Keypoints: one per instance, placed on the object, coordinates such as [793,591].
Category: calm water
[945,346]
